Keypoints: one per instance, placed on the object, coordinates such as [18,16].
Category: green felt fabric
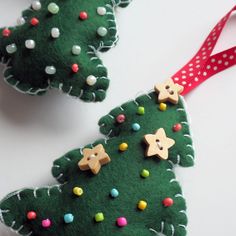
[26,67]
[122,173]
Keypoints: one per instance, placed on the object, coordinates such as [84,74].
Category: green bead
[53,8]
[102,31]
[76,50]
[99,217]
[141,110]
[11,48]
[145,173]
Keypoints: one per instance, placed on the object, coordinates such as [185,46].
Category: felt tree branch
[114,186]
[56,45]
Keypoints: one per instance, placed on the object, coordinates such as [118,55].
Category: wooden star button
[168,91]
[94,159]
[158,144]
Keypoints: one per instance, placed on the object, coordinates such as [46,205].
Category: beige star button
[94,159]
[168,91]
[158,144]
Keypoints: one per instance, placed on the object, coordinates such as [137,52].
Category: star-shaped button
[168,91]
[158,144]
[93,159]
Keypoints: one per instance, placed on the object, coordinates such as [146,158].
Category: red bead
[31,215]
[75,68]
[177,127]
[120,118]
[6,32]
[168,202]
[83,15]
[34,21]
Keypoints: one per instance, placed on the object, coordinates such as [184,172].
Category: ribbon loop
[204,65]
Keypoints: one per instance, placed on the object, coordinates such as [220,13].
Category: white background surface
[157,37]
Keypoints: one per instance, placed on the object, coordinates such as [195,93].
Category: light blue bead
[114,193]
[136,127]
[68,218]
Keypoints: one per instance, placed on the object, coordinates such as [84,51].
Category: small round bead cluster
[122,221]
[30,44]
[121,118]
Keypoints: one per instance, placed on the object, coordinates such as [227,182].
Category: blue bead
[68,218]
[114,193]
[136,127]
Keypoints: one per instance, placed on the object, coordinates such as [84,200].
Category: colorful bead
[78,191]
[121,221]
[145,173]
[53,8]
[101,11]
[30,44]
[36,5]
[102,31]
[142,205]
[123,147]
[55,33]
[50,70]
[83,15]
[12,48]
[76,50]
[177,127]
[120,118]
[75,68]
[141,110]
[34,21]
[46,223]
[99,217]
[168,202]
[162,106]
[68,218]
[6,33]
[20,21]
[31,215]
[114,193]
[91,80]
[136,127]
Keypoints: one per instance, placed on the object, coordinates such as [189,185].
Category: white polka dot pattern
[204,64]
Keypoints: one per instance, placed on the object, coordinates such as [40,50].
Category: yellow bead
[142,205]
[123,147]
[163,106]
[78,191]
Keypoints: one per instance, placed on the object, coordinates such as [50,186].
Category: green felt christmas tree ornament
[56,45]
[121,185]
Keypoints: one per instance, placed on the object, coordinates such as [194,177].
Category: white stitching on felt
[1,216]
[184,226]
[162,227]
[187,136]
[172,230]
[173,180]
[7,67]
[190,156]
[67,158]
[59,176]
[154,231]
[179,195]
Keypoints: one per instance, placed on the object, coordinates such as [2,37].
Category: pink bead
[46,223]
[120,118]
[177,127]
[168,202]
[121,221]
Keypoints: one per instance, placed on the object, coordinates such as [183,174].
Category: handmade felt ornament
[56,45]
[124,184]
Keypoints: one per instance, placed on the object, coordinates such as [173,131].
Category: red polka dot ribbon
[204,65]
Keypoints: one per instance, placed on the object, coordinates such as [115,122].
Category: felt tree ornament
[122,185]
[56,45]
